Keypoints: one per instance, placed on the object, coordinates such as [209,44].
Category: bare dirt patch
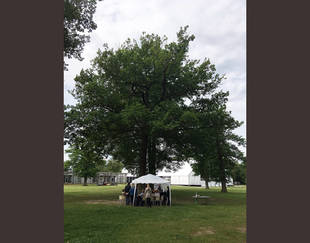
[204,231]
[105,202]
[242,229]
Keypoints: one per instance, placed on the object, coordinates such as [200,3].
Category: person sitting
[159,189]
[137,200]
[140,201]
[153,196]
[157,197]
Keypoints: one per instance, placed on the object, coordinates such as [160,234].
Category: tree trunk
[151,157]
[222,167]
[223,175]
[224,187]
[207,183]
[206,177]
[85,181]
[143,160]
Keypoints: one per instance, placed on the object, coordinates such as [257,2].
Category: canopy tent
[151,179]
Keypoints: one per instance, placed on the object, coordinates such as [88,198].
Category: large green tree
[216,147]
[78,19]
[227,152]
[135,100]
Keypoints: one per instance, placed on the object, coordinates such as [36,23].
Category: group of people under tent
[146,195]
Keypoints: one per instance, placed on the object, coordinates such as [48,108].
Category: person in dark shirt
[131,193]
[127,189]
[160,194]
[140,201]
[168,196]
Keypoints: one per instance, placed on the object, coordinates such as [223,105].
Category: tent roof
[149,178]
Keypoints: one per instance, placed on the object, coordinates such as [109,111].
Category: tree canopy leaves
[84,161]
[78,18]
[216,148]
[150,106]
[111,165]
[136,98]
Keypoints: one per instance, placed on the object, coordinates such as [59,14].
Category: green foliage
[84,162]
[114,166]
[215,147]
[111,166]
[67,165]
[78,18]
[239,173]
[133,102]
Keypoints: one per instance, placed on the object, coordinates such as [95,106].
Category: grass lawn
[92,214]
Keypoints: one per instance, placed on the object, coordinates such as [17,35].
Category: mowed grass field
[93,214]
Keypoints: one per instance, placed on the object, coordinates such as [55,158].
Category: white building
[186,177]
[183,177]
[100,179]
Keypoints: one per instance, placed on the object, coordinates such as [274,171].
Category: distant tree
[202,169]
[134,101]
[67,165]
[111,165]
[215,147]
[226,145]
[101,167]
[239,173]
[224,151]
[85,156]
[114,166]
[78,18]
[84,162]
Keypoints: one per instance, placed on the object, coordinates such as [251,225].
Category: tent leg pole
[170,195]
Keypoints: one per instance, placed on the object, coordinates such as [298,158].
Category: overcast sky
[218,25]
